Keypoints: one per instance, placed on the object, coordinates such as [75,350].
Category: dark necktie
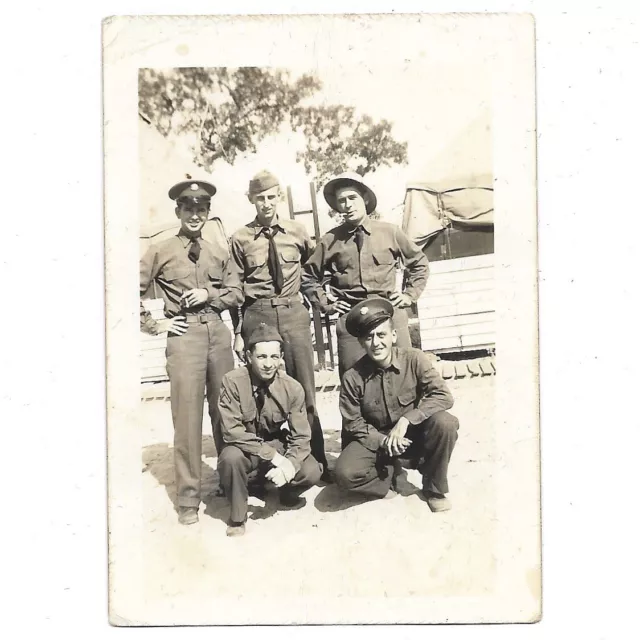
[194,250]
[275,269]
[359,238]
[261,393]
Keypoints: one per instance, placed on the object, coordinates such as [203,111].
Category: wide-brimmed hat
[349,179]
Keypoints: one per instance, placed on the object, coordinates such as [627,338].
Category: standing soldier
[192,275]
[361,256]
[266,257]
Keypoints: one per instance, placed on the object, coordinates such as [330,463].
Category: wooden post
[314,208]
[317,320]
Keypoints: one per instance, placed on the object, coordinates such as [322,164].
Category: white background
[53,406]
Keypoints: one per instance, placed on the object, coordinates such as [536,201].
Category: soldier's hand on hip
[176,326]
[194,297]
[400,300]
[238,346]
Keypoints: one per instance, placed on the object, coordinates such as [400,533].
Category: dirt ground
[335,544]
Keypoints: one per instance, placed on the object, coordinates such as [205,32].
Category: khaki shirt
[354,276]
[250,432]
[249,258]
[168,264]
[372,400]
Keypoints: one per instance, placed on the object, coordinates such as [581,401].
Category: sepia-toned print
[324,392]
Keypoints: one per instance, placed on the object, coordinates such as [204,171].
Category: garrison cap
[262,181]
[349,179]
[264,333]
[196,190]
[367,315]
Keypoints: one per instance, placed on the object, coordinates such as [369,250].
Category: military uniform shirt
[353,275]
[169,265]
[250,432]
[249,258]
[372,400]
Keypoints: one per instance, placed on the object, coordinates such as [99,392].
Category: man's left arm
[415,263]
[230,294]
[433,393]
[299,437]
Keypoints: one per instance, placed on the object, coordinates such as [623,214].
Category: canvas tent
[453,195]
[448,211]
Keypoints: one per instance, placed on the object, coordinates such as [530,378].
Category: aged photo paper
[435,114]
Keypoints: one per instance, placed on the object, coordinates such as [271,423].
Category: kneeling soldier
[394,404]
[265,428]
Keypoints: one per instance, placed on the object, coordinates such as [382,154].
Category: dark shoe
[291,499]
[327,476]
[235,529]
[187,515]
[257,489]
[437,501]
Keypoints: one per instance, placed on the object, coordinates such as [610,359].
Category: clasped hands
[395,443]
[283,470]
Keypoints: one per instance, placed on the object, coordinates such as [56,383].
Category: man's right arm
[233,429]
[351,395]
[148,271]
[312,277]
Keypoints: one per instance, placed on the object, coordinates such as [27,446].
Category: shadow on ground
[157,459]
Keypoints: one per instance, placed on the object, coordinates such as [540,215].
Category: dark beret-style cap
[264,333]
[367,315]
[195,189]
[262,181]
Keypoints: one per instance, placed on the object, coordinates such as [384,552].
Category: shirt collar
[258,228]
[366,225]
[394,365]
[185,239]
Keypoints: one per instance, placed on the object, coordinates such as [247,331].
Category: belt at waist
[201,318]
[272,302]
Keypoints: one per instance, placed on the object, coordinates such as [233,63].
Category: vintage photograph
[328,330]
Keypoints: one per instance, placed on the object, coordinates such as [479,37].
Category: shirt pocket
[290,255]
[257,257]
[176,274]
[383,266]
[249,419]
[343,262]
[406,399]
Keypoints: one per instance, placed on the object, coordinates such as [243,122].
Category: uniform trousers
[370,473]
[196,364]
[294,325]
[234,467]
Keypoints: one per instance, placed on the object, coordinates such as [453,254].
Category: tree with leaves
[228,112]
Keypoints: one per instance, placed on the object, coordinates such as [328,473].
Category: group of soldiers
[266,428]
